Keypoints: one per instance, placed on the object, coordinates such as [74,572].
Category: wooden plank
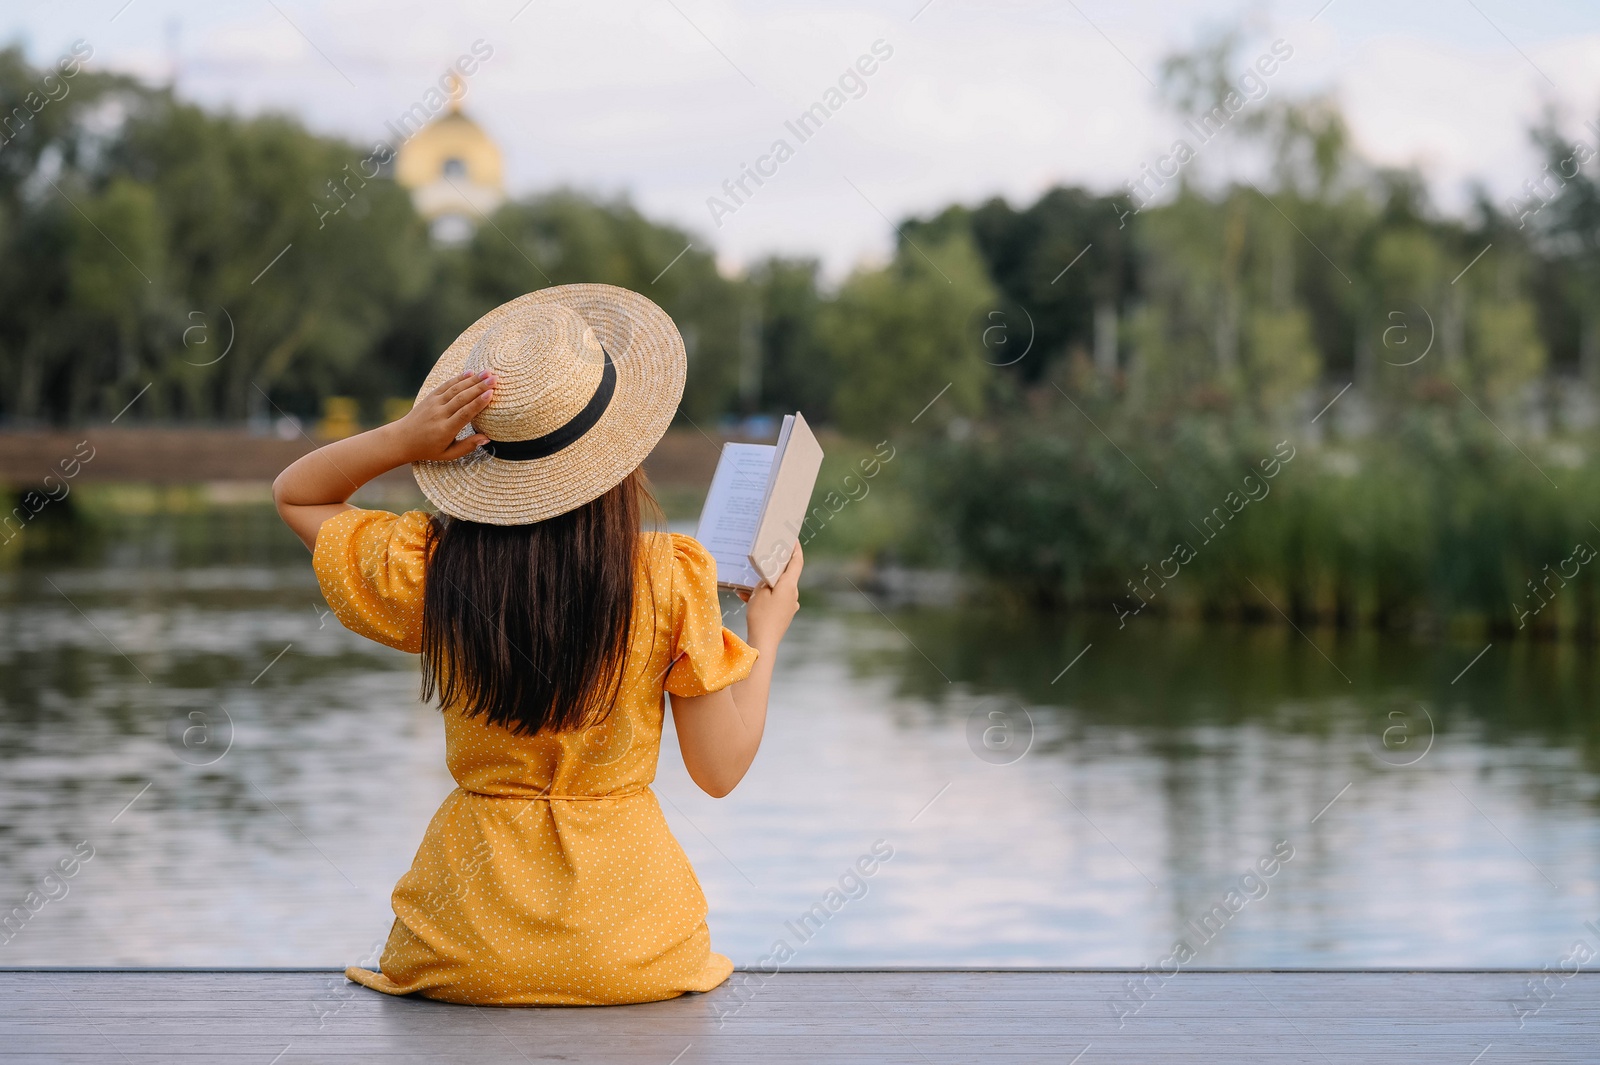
[922,1018]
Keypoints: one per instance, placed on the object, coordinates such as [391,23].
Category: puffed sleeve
[706,656]
[370,564]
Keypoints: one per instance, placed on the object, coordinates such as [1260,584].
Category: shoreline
[185,455]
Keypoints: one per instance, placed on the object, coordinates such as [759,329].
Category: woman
[549,626]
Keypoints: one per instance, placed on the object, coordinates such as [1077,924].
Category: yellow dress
[549,875]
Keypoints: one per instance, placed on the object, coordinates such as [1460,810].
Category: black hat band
[565,435]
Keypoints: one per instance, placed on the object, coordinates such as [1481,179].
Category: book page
[777,460]
[732,512]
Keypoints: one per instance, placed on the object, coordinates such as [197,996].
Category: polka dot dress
[549,875]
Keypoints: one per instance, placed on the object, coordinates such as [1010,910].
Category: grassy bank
[1439,524]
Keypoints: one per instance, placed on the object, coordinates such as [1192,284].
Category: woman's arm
[314,488]
[720,733]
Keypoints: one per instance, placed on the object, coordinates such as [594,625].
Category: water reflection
[251,779]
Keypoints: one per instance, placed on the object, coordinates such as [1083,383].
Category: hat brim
[651,365]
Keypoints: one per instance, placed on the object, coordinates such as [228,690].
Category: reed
[1437,523]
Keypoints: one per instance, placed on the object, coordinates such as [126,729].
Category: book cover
[795,468]
[757,505]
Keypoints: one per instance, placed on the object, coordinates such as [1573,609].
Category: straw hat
[588,378]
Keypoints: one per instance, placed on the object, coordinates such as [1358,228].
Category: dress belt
[623,794]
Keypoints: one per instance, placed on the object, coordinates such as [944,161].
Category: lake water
[252,779]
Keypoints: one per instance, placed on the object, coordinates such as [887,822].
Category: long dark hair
[528,626]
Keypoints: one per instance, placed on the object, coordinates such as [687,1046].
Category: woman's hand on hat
[428,431]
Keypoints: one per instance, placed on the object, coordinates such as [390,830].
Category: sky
[665,100]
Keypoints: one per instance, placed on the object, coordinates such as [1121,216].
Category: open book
[757,505]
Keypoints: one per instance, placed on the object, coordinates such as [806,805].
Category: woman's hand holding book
[772,606]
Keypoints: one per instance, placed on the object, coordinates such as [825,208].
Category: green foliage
[184,234]
[564,238]
[901,334]
[796,373]
[1440,524]
[142,237]
[1280,357]
[1505,353]
[1028,252]
[143,260]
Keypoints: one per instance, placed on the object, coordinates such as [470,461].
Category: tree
[210,261]
[796,373]
[1064,264]
[908,333]
[564,237]
[291,244]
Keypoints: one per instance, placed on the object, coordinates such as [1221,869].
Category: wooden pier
[921,1017]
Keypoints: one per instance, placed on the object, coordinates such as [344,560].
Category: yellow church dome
[453,170]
